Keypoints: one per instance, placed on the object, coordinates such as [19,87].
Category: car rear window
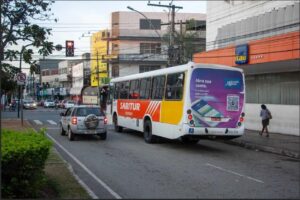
[82,112]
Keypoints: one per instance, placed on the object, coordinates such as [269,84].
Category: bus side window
[158,87]
[124,90]
[134,89]
[117,90]
[145,88]
[174,89]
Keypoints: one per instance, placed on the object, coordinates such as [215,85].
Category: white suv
[84,120]
[49,104]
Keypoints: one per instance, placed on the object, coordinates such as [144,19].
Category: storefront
[272,70]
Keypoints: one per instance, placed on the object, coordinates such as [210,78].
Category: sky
[78,19]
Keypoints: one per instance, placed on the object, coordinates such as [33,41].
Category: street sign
[21,78]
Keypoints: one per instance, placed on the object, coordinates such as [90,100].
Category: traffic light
[69,48]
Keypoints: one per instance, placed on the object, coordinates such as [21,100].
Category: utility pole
[98,79]
[171,50]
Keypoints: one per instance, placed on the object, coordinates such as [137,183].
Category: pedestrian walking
[265,115]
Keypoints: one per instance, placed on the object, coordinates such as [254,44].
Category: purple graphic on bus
[217,97]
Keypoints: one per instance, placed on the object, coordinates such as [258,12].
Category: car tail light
[74,120]
[105,120]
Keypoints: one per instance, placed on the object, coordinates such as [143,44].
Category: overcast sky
[77,18]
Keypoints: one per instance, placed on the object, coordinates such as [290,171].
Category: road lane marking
[52,122]
[38,122]
[53,128]
[91,193]
[113,193]
[235,173]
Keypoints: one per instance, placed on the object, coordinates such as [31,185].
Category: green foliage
[17,29]
[23,159]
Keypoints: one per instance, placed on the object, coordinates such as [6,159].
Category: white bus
[188,102]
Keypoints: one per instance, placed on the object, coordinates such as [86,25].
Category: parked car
[69,104]
[84,120]
[29,104]
[49,104]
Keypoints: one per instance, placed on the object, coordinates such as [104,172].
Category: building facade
[140,43]
[262,38]
[65,74]
[99,49]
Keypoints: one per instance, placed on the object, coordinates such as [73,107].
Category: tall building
[262,38]
[99,49]
[139,43]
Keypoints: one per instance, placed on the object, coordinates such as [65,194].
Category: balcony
[142,58]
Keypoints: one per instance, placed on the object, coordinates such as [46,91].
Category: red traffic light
[69,48]
[70,44]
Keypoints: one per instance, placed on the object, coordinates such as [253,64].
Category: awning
[75,91]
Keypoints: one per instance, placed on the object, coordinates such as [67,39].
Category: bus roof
[175,69]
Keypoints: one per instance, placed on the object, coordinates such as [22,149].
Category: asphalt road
[124,166]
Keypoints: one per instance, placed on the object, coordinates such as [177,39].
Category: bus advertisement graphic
[217,97]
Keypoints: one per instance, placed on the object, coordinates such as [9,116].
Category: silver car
[29,104]
[83,120]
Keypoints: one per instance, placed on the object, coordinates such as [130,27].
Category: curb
[250,145]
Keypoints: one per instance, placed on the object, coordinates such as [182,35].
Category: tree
[18,27]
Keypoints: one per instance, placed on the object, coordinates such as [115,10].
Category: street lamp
[130,8]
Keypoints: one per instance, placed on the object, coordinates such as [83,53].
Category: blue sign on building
[241,54]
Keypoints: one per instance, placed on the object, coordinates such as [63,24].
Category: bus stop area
[282,144]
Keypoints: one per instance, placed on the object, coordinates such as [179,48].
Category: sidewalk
[286,145]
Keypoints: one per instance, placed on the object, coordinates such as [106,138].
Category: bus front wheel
[149,138]
[116,126]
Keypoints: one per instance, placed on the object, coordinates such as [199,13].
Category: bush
[23,159]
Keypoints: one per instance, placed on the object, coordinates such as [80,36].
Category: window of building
[158,87]
[150,48]
[124,90]
[281,88]
[115,71]
[145,88]
[134,89]
[174,90]
[150,24]
[115,47]
[147,68]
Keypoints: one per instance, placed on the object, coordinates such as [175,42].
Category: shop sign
[241,54]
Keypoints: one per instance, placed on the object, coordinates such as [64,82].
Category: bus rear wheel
[148,137]
[116,126]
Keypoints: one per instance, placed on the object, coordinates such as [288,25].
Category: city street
[124,166]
